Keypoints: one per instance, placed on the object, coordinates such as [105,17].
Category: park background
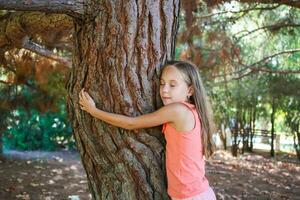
[248,55]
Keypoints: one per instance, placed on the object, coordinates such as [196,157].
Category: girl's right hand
[86,102]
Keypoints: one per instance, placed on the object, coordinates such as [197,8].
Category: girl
[187,125]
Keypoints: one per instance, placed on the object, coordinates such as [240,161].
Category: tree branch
[240,11]
[5,82]
[264,69]
[274,55]
[36,48]
[255,70]
[292,3]
[254,65]
[73,8]
[257,67]
[270,27]
[47,28]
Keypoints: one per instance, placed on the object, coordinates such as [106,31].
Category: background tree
[292,120]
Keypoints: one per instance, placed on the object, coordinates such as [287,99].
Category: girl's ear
[190,91]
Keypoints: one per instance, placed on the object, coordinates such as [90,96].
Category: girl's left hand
[86,102]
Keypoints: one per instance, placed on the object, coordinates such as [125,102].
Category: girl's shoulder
[185,116]
[181,109]
[187,104]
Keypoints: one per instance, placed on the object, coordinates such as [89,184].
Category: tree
[293,121]
[117,58]
[118,52]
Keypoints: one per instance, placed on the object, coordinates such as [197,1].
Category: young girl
[187,125]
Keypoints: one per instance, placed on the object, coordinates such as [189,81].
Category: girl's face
[173,87]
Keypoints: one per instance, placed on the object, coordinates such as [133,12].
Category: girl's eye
[162,83]
[173,85]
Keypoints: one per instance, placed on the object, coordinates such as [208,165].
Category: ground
[255,176]
[60,176]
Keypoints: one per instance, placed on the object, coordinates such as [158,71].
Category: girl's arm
[165,114]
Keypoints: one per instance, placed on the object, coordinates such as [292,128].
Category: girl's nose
[164,88]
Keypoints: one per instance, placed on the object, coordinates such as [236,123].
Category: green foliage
[32,130]
[33,113]
[292,119]
[33,117]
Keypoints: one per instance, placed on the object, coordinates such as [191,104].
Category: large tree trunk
[118,51]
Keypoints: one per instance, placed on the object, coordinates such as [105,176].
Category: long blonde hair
[200,100]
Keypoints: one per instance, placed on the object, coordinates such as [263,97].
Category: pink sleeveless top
[184,160]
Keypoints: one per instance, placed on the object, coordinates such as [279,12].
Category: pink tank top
[184,160]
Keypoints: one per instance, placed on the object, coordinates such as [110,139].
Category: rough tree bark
[118,50]
[70,7]
[26,29]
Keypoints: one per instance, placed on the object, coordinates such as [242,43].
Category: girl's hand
[86,102]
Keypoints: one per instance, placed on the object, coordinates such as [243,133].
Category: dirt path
[254,177]
[42,176]
[60,176]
